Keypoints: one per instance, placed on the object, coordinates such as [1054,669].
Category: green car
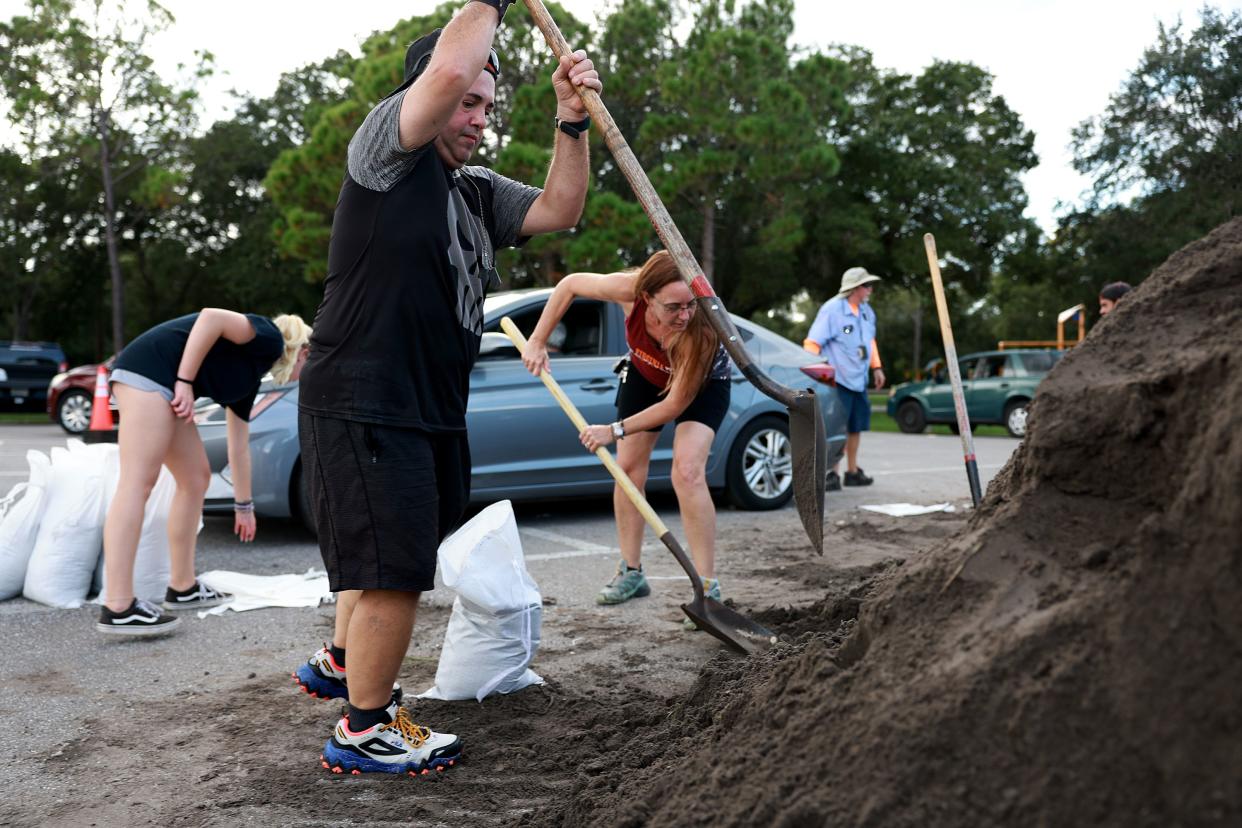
[997,386]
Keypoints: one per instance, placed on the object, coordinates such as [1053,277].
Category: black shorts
[383,498]
[708,407]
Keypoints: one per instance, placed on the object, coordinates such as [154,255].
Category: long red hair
[692,351]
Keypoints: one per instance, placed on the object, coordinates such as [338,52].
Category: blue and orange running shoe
[322,678]
[400,746]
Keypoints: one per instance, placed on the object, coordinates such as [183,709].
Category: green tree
[1166,155]
[81,68]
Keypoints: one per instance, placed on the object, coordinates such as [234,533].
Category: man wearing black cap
[383,393]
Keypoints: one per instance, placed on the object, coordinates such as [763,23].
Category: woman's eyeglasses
[673,308]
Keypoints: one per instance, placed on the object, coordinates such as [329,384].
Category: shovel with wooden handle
[711,616]
[955,376]
[806,422]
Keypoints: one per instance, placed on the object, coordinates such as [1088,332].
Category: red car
[71,396]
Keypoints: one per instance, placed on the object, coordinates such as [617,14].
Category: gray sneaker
[626,584]
[711,588]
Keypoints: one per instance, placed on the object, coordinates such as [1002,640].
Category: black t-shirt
[230,373]
[411,257]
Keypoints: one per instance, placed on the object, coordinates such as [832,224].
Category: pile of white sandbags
[51,528]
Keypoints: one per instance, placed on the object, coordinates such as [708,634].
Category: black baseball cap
[418,56]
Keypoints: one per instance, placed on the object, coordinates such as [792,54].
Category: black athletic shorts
[383,498]
[637,393]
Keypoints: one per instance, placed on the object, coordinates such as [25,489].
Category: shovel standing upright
[806,423]
[731,627]
[955,376]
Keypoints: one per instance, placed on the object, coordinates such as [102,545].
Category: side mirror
[496,345]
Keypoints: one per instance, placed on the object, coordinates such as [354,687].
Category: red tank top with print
[646,355]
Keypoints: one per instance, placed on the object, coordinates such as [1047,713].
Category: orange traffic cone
[101,430]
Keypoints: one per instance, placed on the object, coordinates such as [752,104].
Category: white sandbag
[71,533]
[152,567]
[486,653]
[482,562]
[20,514]
[493,633]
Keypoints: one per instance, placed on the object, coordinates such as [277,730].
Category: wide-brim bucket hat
[856,277]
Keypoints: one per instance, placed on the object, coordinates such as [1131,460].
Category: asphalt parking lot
[60,670]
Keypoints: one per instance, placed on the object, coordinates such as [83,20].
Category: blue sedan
[522,444]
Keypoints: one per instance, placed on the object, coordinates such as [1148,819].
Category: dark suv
[26,370]
[996,386]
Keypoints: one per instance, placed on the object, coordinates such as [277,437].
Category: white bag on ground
[494,630]
[152,567]
[71,533]
[20,514]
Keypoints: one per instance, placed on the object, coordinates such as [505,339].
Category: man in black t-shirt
[383,393]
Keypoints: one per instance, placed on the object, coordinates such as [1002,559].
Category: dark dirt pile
[1073,656]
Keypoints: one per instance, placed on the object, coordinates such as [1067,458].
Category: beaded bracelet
[243,506]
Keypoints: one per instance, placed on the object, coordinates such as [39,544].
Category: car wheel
[1015,418]
[73,411]
[305,513]
[910,417]
[760,472]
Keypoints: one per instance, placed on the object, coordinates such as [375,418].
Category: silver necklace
[481,226]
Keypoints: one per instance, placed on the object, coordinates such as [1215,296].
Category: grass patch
[24,418]
[883,422]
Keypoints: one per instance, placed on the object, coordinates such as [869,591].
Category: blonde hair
[296,334]
[692,351]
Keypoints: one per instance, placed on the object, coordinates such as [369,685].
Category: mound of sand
[1073,656]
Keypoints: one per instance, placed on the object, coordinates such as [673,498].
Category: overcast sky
[1055,61]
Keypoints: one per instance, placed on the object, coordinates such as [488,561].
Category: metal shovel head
[810,463]
[733,628]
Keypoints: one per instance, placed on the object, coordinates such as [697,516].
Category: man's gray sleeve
[376,159]
[511,201]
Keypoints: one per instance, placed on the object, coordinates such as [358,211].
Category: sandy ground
[244,753]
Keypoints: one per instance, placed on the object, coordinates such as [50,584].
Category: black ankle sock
[360,719]
[191,588]
[338,655]
[629,568]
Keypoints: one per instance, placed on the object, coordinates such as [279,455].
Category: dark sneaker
[322,678]
[834,482]
[397,747]
[711,588]
[857,478]
[140,618]
[626,584]
[198,596]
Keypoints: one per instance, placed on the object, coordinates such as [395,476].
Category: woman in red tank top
[677,372]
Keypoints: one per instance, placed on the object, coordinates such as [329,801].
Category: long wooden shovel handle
[605,457]
[673,241]
[955,376]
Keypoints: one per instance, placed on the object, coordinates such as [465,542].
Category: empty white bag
[71,533]
[20,513]
[494,630]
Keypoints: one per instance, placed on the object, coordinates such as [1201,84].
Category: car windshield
[1041,362]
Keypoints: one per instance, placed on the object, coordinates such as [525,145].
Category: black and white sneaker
[198,596]
[140,618]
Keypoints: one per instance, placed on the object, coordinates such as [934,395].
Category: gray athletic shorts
[140,382]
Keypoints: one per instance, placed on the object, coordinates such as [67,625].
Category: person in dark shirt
[215,353]
[382,418]
[678,372]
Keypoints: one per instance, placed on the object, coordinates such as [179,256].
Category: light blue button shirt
[845,340]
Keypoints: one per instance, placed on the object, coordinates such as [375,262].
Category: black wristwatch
[501,6]
[574,128]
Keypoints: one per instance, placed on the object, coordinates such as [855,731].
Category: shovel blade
[731,627]
[810,463]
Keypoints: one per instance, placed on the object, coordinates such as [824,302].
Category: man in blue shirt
[844,333]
